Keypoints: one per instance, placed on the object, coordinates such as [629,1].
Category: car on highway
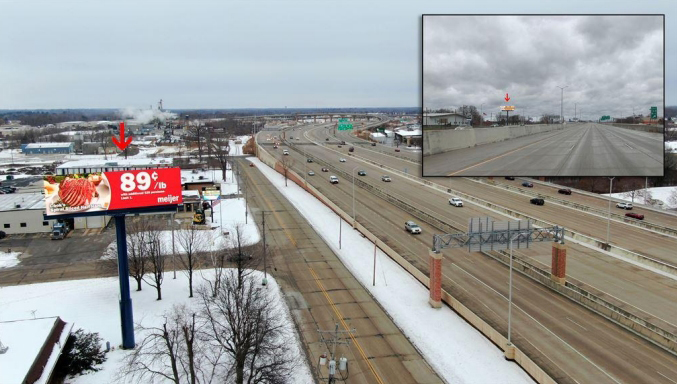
[634,215]
[527,184]
[343,142]
[342,160]
[275,146]
[351,149]
[624,205]
[361,173]
[373,144]
[537,201]
[339,146]
[397,149]
[412,227]
[456,202]
[564,191]
[333,179]
[325,169]
[311,173]
[297,138]
[309,160]
[285,152]
[494,125]
[386,178]
[291,137]
[510,178]
[327,139]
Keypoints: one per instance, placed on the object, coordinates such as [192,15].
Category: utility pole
[608,222]
[561,113]
[173,248]
[334,373]
[265,275]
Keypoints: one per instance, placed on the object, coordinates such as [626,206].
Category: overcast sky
[608,64]
[239,54]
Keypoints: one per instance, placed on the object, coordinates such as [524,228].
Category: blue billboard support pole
[126,315]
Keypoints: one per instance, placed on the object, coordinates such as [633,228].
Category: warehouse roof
[10,201]
[49,145]
[98,163]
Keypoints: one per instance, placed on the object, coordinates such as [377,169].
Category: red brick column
[559,262]
[435,299]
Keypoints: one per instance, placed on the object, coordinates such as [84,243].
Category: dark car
[351,149]
[362,173]
[2,234]
[373,144]
[537,201]
[309,160]
[509,178]
[634,215]
[327,139]
[343,142]
[325,170]
[527,184]
[564,191]
[397,149]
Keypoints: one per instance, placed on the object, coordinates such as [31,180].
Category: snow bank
[9,259]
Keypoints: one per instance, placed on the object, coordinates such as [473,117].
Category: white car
[311,173]
[412,227]
[624,205]
[285,152]
[386,178]
[342,160]
[456,202]
[333,179]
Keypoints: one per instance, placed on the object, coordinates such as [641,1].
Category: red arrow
[507,98]
[122,143]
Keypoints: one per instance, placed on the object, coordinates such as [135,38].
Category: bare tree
[176,351]
[287,164]
[221,149]
[156,259]
[137,249]
[196,132]
[241,253]
[244,321]
[192,241]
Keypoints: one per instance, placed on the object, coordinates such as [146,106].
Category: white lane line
[628,146]
[666,377]
[577,324]
[572,147]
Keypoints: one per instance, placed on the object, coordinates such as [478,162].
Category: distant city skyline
[258,54]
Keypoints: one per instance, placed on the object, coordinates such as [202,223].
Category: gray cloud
[609,63]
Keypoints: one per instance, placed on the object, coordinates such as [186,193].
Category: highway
[321,291]
[577,150]
[650,294]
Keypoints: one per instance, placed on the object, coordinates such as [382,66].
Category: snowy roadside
[460,354]
[92,304]
[666,197]
[9,259]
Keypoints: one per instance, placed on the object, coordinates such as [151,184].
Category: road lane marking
[499,156]
[577,324]
[345,326]
[666,377]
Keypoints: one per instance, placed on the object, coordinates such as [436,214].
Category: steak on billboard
[112,191]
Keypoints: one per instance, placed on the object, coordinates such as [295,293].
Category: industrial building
[445,119]
[47,148]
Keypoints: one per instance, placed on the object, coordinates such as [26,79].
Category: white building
[92,165]
[444,119]
[22,213]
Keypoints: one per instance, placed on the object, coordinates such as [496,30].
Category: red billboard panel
[112,191]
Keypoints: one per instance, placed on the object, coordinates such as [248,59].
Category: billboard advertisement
[104,192]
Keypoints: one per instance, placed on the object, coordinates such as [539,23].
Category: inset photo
[543,95]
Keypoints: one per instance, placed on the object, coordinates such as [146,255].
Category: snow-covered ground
[459,352]
[236,149]
[666,196]
[92,304]
[9,259]
[671,146]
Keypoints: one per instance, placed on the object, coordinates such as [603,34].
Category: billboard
[107,192]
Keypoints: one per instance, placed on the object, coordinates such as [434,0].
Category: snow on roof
[377,134]
[190,193]
[428,114]
[49,145]
[10,201]
[416,132]
[117,163]
[25,339]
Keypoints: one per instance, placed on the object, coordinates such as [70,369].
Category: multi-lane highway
[577,150]
[570,342]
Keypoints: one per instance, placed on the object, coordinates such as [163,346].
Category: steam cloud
[145,116]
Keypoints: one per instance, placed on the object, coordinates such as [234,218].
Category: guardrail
[581,207]
[635,323]
[536,372]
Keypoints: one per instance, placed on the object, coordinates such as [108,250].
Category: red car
[397,149]
[634,215]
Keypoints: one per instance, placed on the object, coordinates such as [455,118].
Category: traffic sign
[606,118]
[343,120]
[345,127]
[654,112]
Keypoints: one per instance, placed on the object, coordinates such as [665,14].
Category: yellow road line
[498,157]
[345,326]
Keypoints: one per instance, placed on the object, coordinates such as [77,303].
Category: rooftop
[24,200]
[49,145]
[429,114]
[94,163]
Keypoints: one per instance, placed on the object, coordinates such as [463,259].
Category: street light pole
[353,174]
[561,113]
[608,222]
[510,293]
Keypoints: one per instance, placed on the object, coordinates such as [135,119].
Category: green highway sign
[343,120]
[654,112]
[345,126]
[606,118]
